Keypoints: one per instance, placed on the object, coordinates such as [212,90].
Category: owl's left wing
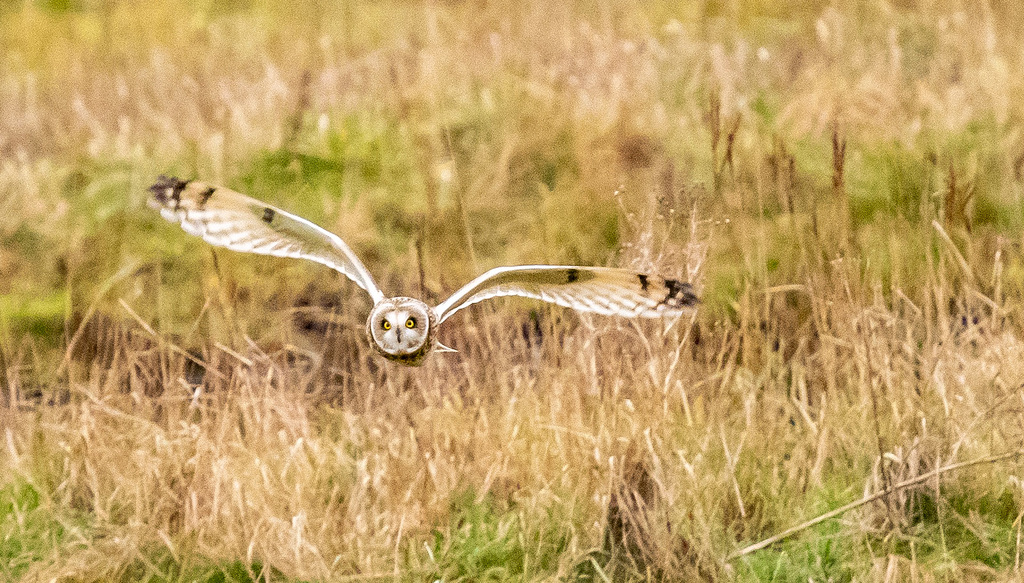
[601,290]
[230,219]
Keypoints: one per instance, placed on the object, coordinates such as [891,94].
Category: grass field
[842,182]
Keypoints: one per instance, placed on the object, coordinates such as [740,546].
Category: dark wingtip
[690,297]
[166,187]
[680,294]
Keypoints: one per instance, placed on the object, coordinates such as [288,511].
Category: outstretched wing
[230,219]
[602,290]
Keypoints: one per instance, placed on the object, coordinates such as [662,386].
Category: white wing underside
[600,290]
[229,219]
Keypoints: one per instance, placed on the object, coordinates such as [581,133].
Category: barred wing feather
[226,218]
[601,290]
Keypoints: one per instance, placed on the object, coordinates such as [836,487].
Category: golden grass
[843,183]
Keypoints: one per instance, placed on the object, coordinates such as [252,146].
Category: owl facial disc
[401,329]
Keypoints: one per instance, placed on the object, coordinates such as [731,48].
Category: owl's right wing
[230,219]
[601,290]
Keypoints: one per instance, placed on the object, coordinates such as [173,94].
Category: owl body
[403,329]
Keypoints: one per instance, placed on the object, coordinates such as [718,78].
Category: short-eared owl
[403,329]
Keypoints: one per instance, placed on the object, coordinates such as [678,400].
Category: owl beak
[442,348]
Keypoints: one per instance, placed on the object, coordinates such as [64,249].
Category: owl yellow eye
[386,325]
[410,323]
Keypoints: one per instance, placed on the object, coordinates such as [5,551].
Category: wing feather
[226,218]
[602,290]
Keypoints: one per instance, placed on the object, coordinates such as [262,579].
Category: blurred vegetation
[843,183]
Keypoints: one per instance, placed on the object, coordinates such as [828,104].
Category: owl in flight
[403,329]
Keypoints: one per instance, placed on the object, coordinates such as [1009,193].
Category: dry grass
[844,185]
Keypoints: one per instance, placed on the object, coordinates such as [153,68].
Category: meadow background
[841,181]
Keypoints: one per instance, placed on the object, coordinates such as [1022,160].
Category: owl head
[401,329]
